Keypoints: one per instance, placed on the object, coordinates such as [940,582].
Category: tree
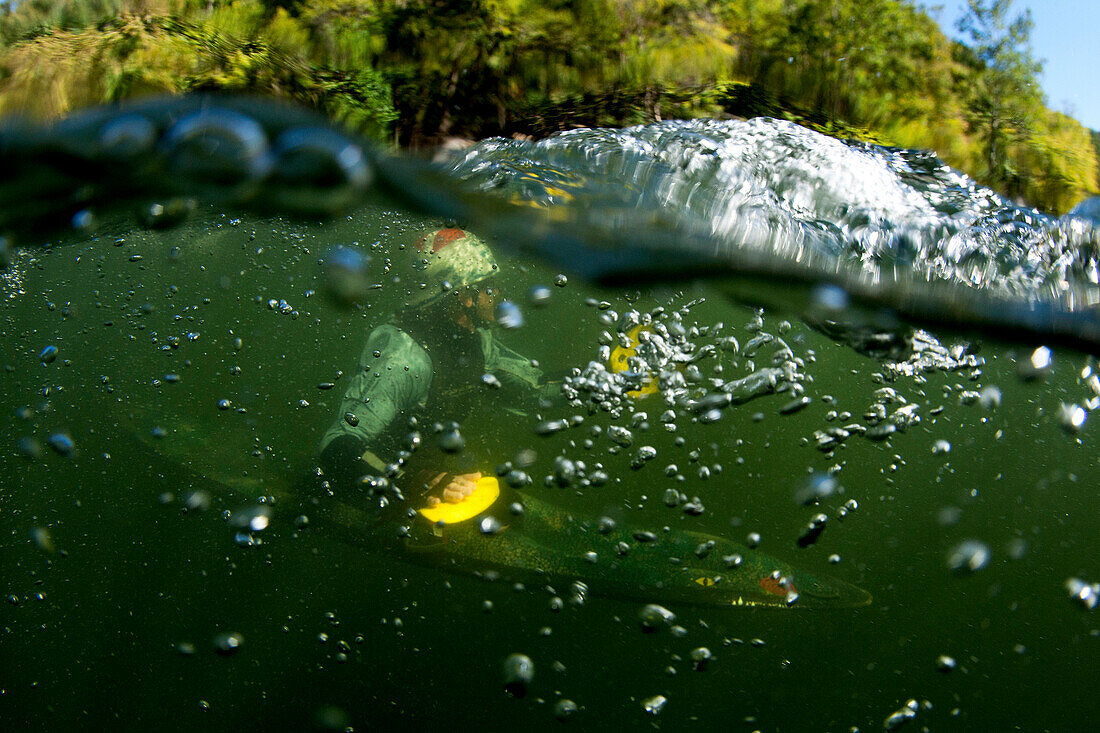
[1095,134]
[1004,93]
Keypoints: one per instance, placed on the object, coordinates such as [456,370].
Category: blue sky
[1066,37]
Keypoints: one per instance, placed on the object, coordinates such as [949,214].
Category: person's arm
[516,371]
[392,379]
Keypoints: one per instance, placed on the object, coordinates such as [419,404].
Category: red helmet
[452,258]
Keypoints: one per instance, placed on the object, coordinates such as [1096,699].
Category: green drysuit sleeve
[393,377]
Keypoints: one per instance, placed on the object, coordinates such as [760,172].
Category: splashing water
[770,195]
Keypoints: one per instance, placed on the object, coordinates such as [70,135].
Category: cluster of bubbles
[1072,416]
[927,354]
[905,713]
[1086,594]
[660,351]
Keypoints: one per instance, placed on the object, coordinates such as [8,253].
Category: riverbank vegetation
[412,72]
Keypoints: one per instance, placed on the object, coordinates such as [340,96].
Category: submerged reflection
[434,497]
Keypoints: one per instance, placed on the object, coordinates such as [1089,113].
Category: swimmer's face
[477,306]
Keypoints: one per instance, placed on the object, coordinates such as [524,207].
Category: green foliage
[415,71]
[1061,164]
[239,46]
[1095,135]
[1004,96]
[27,19]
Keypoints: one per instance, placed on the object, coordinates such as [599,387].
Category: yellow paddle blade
[482,498]
[619,363]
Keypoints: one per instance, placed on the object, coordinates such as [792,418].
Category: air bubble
[346,278]
[451,441]
[538,296]
[1087,595]
[901,716]
[319,169]
[509,315]
[700,657]
[813,531]
[1037,364]
[1072,417]
[228,643]
[654,616]
[816,487]
[565,471]
[549,427]
[969,556]
[254,519]
[519,671]
[29,448]
[565,709]
[127,136]
[62,444]
[517,479]
[990,398]
[654,705]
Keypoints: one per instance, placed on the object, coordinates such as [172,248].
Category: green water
[118,591]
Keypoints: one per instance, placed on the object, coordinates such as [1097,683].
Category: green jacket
[394,381]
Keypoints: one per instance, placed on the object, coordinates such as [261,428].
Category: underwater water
[167,562]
